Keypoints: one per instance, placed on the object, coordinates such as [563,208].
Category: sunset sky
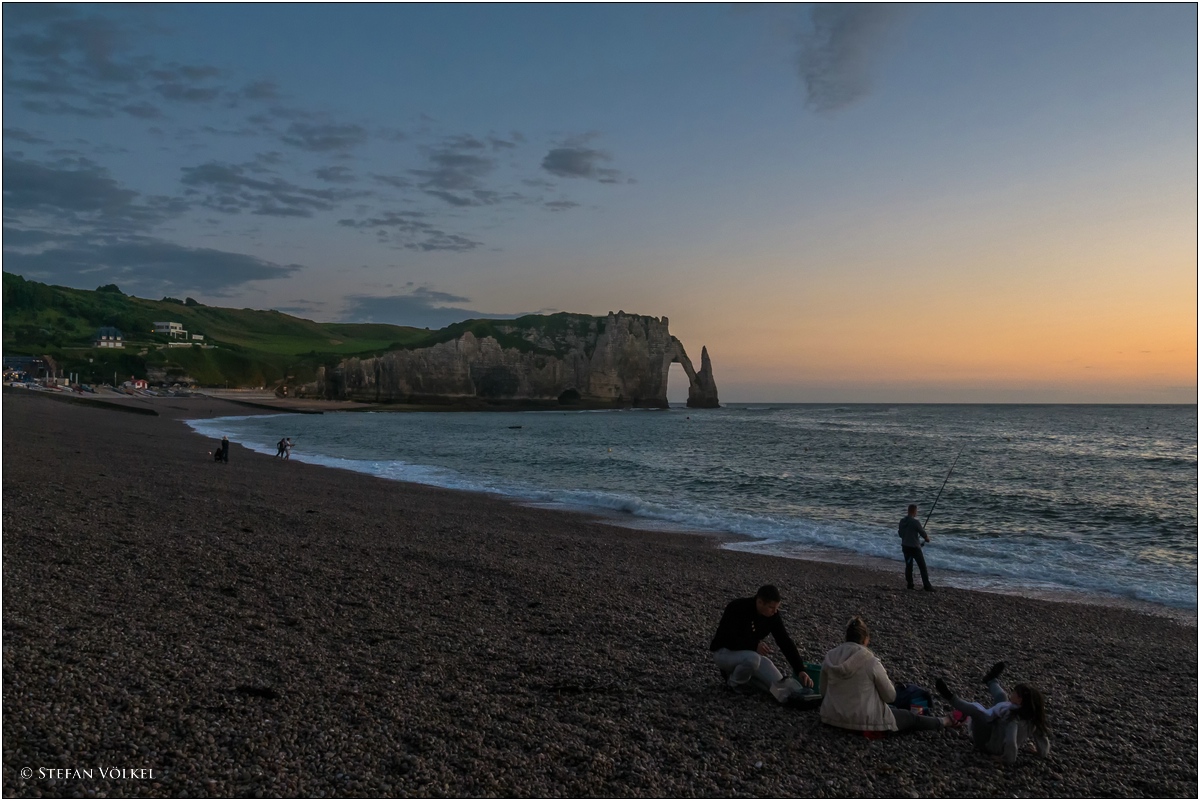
[844,203]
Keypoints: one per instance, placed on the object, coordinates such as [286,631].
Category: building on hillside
[197,337]
[108,337]
[173,330]
[28,366]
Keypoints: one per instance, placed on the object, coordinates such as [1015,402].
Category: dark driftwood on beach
[277,628]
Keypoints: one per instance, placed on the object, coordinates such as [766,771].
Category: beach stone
[385,686]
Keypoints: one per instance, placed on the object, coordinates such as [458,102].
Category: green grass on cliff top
[60,321]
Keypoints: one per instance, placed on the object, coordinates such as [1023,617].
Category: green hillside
[253,348]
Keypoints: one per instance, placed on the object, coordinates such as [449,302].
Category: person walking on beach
[1014,719]
[225,450]
[287,449]
[911,534]
[738,646]
[279,448]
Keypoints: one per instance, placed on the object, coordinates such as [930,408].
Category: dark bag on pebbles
[913,695]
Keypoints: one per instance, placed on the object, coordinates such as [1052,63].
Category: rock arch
[702,389]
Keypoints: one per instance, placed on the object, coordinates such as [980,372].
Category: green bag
[813,669]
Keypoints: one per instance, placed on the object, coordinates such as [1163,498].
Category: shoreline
[972,582]
[287,629]
[975,582]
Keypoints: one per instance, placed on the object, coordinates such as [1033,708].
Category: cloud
[454,171]
[324,137]
[561,205]
[392,135]
[21,135]
[144,111]
[176,73]
[421,308]
[336,175]
[838,54]
[79,60]
[52,107]
[464,142]
[70,222]
[64,44]
[394,181]
[32,186]
[580,162]
[232,188]
[476,197]
[261,90]
[409,230]
[145,265]
[76,194]
[176,90]
[501,144]
[21,238]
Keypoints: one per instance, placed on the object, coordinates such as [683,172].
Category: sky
[844,203]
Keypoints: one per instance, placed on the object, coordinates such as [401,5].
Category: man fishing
[911,534]
[912,530]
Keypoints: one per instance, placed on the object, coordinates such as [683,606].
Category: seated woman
[1015,718]
[858,691]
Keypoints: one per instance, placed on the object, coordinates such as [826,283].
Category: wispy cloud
[454,173]
[324,137]
[21,135]
[233,188]
[71,222]
[838,52]
[420,308]
[580,162]
[76,194]
[411,231]
[336,175]
[147,265]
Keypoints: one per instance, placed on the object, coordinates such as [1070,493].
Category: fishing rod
[939,495]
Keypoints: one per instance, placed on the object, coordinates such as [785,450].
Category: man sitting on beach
[738,645]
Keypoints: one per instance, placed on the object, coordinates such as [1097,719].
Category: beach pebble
[359,633]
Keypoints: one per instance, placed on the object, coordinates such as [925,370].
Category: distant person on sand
[225,450]
[1014,719]
[287,448]
[911,533]
[279,448]
[857,690]
[738,645]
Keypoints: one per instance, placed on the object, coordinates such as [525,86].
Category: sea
[1082,502]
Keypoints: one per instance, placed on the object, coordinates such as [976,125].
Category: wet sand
[265,628]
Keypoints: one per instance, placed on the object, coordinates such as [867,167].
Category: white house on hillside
[173,330]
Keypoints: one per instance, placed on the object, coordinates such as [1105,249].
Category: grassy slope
[255,348]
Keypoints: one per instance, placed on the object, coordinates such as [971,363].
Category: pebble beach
[173,627]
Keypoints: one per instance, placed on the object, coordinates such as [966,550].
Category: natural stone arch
[702,390]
